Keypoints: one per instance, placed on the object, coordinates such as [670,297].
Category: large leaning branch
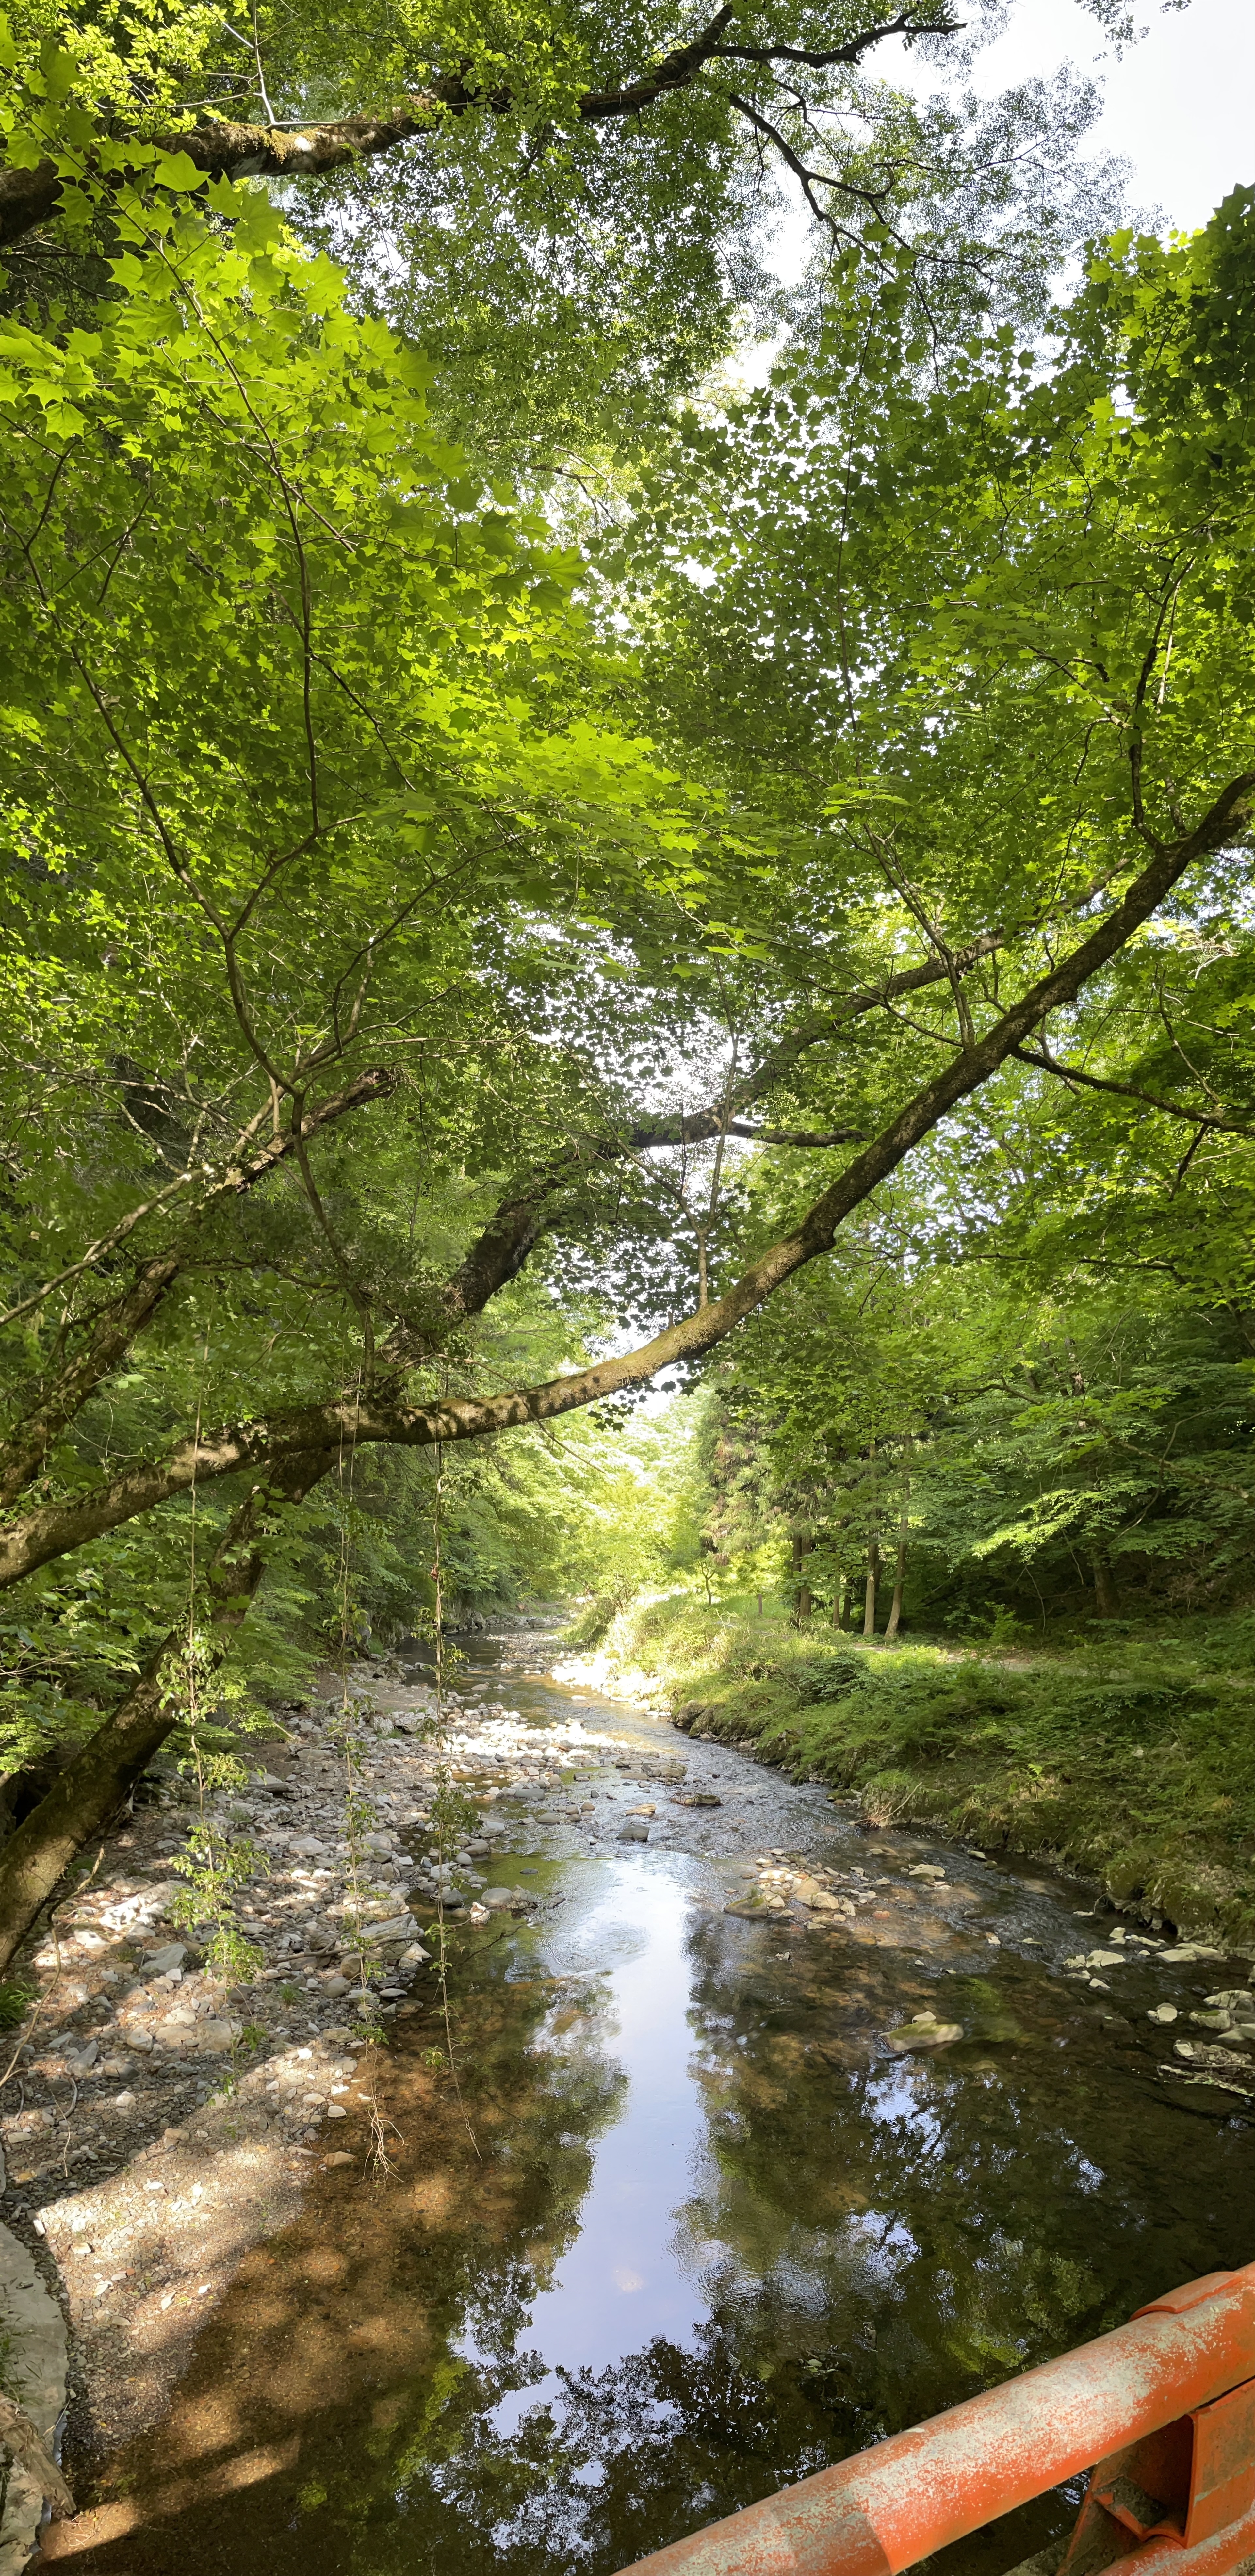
[698,1126]
[268,1445]
[51,1403]
[518,1221]
[226,149]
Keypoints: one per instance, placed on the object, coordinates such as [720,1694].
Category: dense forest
[580,820]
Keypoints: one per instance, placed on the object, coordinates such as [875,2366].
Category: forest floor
[1131,1758]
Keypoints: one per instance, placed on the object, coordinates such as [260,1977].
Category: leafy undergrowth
[1133,1760]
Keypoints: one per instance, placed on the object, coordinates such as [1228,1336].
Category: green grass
[1132,1757]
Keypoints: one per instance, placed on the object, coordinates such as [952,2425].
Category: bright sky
[1180,105]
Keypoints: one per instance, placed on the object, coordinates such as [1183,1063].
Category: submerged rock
[1224,2060]
[925,2031]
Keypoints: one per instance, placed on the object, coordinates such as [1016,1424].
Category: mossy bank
[1132,1761]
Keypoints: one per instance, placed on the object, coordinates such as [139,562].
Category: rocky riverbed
[157,2123]
[160,2129]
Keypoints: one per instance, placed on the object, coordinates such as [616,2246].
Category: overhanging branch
[266,1447]
[49,1404]
[226,149]
[1043,1062]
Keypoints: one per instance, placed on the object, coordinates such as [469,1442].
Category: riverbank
[1132,1761]
[750,2136]
[160,2122]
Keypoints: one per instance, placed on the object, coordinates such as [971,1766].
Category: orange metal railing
[1162,2413]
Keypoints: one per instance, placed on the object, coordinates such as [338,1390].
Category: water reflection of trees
[921,2228]
[874,2240]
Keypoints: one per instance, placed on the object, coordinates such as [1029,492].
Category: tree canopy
[570,215]
[463,962]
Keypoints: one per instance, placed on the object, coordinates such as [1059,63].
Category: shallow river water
[694,2230]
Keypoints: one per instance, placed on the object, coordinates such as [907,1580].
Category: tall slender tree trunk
[1106,1590]
[873,1549]
[873,1578]
[87,1794]
[904,1526]
[803,1543]
[838,1602]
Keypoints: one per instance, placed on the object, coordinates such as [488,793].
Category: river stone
[1197,2053]
[177,2032]
[396,1927]
[636,1830]
[194,2038]
[1162,2012]
[497,1898]
[820,1899]
[215,2038]
[924,2032]
[162,1963]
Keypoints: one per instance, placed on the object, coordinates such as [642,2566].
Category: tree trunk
[1106,1595]
[904,1525]
[873,1578]
[802,1546]
[838,1602]
[87,1794]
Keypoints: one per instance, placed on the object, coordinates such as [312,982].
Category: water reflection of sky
[723,2237]
[624,2280]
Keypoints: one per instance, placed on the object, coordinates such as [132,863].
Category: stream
[693,2230]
